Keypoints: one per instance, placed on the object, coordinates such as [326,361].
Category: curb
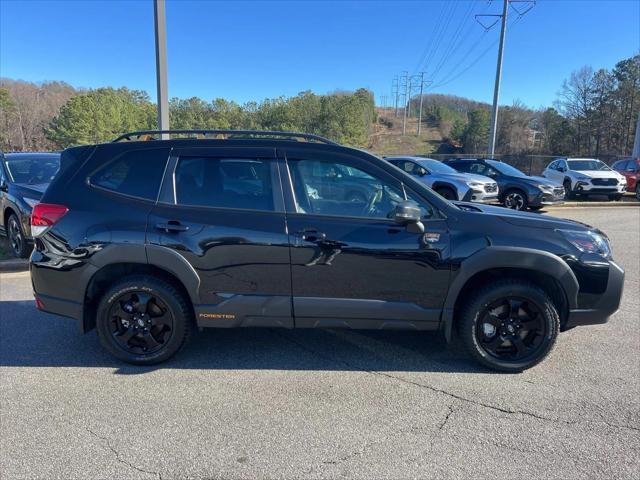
[14,265]
[593,204]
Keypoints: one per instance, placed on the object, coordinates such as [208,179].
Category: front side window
[336,189]
[137,173]
[243,183]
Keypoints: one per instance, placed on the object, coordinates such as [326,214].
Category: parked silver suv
[448,182]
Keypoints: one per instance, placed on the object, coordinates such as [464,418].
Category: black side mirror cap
[408,213]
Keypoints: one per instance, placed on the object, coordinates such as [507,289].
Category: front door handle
[172,226]
[311,235]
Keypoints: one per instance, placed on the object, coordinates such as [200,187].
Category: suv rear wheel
[18,243]
[509,325]
[143,320]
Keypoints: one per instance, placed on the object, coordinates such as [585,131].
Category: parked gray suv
[448,182]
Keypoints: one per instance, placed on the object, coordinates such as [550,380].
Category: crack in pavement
[105,441]
[119,457]
[444,392]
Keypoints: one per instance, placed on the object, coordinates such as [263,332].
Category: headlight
[588,242]
[584,179]
[475,184]
[546,188]
[30,201]
[623,181]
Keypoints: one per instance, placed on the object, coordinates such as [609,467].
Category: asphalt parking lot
[321,404]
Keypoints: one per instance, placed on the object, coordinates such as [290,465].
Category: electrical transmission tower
[395,89]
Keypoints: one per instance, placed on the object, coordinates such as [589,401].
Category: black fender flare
[492,257]
[178,266]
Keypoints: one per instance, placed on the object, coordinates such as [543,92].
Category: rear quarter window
[137,173]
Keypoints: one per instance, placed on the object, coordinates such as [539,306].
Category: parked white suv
[586,176]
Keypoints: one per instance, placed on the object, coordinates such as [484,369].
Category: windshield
[33,169]
[435,166]
[506,169]
[587,165]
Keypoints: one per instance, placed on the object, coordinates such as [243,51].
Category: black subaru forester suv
[145,238]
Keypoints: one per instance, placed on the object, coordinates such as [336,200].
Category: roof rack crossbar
[228,133]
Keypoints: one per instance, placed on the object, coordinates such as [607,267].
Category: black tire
[447,193]
[17,239]
[515,199]
[638,191]
[615,198]
[120,339]
[479,307]
[536,208]
[568,193]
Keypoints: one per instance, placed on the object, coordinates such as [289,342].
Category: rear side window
[137,173]
[244,183]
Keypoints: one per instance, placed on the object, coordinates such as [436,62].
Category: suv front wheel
[143,320]
[509,325]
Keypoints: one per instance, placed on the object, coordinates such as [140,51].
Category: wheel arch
[173,270]
[546,270]
[442,184]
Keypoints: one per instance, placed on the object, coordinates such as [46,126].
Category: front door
[351,265]
[221,211]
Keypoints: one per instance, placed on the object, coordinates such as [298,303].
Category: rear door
[221,211]
[351,266]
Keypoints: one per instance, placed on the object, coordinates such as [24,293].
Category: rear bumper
[607,305]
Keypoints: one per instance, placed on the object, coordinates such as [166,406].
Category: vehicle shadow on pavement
[30,338]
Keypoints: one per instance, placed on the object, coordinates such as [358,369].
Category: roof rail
[225,134]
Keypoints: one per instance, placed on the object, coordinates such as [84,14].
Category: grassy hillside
[388,139]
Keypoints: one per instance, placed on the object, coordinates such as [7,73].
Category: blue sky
[252,50]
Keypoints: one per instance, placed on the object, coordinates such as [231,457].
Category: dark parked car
[517,190]
[144,240]
[630,169]
[23,178]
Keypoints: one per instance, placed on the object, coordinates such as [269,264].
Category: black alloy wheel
[143,320]
[16,237]
[511,328]
[509,325]
[515,200]
[140,323]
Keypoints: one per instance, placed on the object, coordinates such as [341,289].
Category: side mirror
[422,172]
[408,213]
[562,169]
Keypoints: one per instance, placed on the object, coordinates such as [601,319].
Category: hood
[544,181]
[466,177]
[535,180]
[524,219]
[599,173]
[34,191]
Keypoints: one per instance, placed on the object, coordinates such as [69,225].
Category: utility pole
[394,91]
[161,65]
[407,99]
[420,111]
[496,90]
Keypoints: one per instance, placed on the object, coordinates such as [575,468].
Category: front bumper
[478,196]
[606,305]
[544,198]
[588,187]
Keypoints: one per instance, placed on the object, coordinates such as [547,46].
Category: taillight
[45,215]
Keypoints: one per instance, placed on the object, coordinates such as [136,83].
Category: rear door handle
[311,235]
[172,226]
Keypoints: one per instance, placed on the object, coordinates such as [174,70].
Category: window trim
[127,195]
